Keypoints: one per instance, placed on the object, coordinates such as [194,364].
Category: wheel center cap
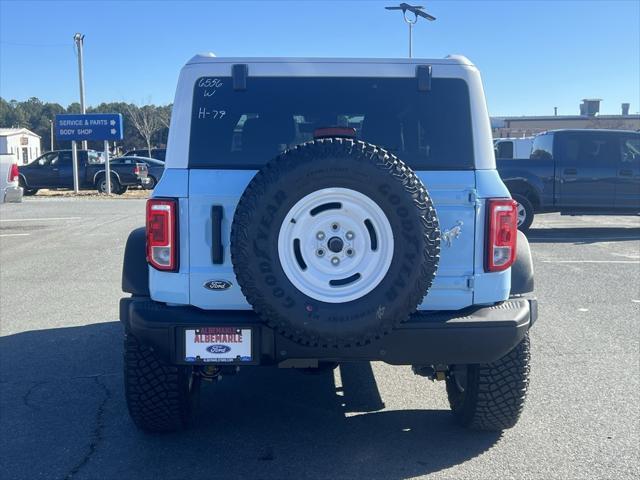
[335,244]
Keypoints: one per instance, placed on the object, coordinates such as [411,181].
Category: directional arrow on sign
[112,123]
[113,131]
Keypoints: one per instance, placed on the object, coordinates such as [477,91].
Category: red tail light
[136,170]
[162,234]
[13,172]
[502,232]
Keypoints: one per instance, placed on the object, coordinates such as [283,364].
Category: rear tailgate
[212,192]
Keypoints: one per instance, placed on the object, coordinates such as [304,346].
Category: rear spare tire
[335,242]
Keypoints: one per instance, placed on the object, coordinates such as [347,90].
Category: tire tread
[156,393]
[496,392]
[311,152]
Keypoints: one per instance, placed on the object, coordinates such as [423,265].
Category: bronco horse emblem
[454,232]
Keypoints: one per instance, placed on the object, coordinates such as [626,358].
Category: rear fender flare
[135,270]
[522,268]
[103,172]
[24,179]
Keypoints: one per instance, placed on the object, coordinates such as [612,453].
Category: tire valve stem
[320,235]
[335,261]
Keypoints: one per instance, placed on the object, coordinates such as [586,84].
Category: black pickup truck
[55,170]
[576,172]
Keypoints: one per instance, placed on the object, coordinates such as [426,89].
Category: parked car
[513,147]
[10,190]
[155,168]
[576,172]
[156,153]
[55,170]
[329,252]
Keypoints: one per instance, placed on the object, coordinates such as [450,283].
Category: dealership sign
[90,126]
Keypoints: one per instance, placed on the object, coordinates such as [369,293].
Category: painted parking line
[626,255]
[633,262]
[14,234]
[45,219]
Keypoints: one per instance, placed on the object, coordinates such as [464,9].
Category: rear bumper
[13,194]
[474,335]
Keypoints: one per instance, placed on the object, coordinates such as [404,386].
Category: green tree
[35,115]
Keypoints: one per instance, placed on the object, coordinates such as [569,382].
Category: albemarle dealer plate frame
[218,345]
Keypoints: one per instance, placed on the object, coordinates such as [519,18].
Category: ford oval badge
[218,348]
[217,285]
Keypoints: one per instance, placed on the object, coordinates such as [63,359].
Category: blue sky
[533,55]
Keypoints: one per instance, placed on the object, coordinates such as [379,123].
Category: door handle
[570,171]
[55,169]
[626,173]
[217,252]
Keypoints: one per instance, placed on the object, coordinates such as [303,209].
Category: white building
[20,142]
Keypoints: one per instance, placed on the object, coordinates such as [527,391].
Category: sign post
[107,166]
[74,159]
[90,126]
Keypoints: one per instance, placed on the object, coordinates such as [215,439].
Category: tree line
[145,126]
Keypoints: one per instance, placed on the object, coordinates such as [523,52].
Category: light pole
[79,39]
[417,12]
[51,132]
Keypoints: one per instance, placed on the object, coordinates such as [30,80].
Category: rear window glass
[94,157]
[542,148]
[244,129]
[504,150]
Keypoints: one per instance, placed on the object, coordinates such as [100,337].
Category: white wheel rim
[522,214]
[308,249]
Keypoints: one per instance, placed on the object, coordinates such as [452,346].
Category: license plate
[218,345]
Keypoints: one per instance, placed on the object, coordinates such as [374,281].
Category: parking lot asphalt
[63,414]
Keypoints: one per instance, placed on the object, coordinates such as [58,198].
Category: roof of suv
[211,58]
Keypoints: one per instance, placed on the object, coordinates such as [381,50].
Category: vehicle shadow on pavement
[63,415]
[582,235]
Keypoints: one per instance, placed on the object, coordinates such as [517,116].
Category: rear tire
[101,185]
[151,185]
[160,397]
[525,212]
[26,191]
[491,396]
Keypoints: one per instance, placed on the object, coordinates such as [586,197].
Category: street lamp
[78,38]
[417,11]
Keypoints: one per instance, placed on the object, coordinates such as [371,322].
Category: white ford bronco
[321,211]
